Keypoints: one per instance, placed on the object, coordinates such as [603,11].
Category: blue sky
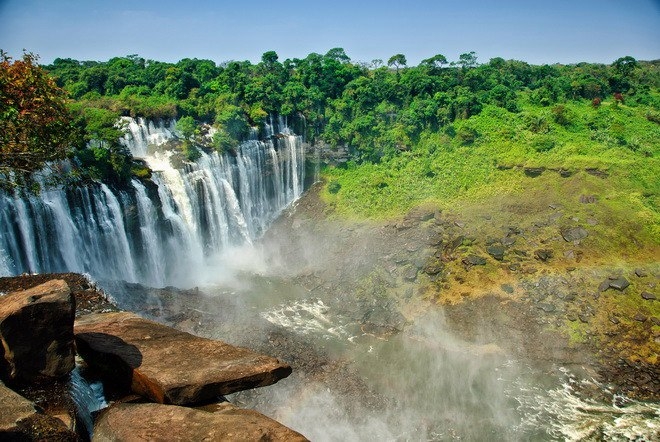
[563,31]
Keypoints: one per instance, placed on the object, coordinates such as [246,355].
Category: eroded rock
[167,365]
[36,331]
[157,422]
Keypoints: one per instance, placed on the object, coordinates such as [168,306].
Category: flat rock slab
[156,422]
[169,366]
[36,332]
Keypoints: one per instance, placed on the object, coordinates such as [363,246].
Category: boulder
[648,296]
[157,422]
[619,283]
[167,365]
[20,421]
[534,172]
[13,408]
[433,267]
[574,234]
[36,331]
[496,251]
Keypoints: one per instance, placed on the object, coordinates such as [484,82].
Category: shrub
[561,115]
[334,187]
[543,143]
[466,135]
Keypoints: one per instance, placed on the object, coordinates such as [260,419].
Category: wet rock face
[167,365]
[36,330]
[156,422]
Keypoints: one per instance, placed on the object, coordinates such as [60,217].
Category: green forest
[438,130]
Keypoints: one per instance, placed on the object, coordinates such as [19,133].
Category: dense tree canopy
[376,109]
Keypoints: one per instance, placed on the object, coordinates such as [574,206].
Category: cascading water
[160,232]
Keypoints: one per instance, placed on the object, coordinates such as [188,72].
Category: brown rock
[13,408]
[36,331]
[20,421]
[167,365]
[640,317]
[41,427]
[156,422]
[648,296]
[543,254]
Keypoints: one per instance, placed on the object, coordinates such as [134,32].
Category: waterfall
[159,232]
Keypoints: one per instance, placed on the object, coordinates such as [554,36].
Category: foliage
[99,155]
[381,111]
[621,142]
[35,125]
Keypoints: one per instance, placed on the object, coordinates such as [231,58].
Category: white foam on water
[566,414]
[309,316]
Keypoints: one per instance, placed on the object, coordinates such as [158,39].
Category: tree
[269,58]
[624,66]
[435,62]
[35,125]
[397,60]
[467,60]
[338,54]
[188,128]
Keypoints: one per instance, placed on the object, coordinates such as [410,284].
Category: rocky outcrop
[157,422]
[169,366]
[36,331]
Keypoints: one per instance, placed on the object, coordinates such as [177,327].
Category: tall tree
[435,62]
[397,60]
[35,125]
[467,60]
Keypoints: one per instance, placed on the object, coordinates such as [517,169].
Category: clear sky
[558,31]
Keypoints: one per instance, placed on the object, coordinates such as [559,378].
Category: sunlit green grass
[616,140]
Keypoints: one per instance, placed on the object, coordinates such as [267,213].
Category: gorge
[339,301]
